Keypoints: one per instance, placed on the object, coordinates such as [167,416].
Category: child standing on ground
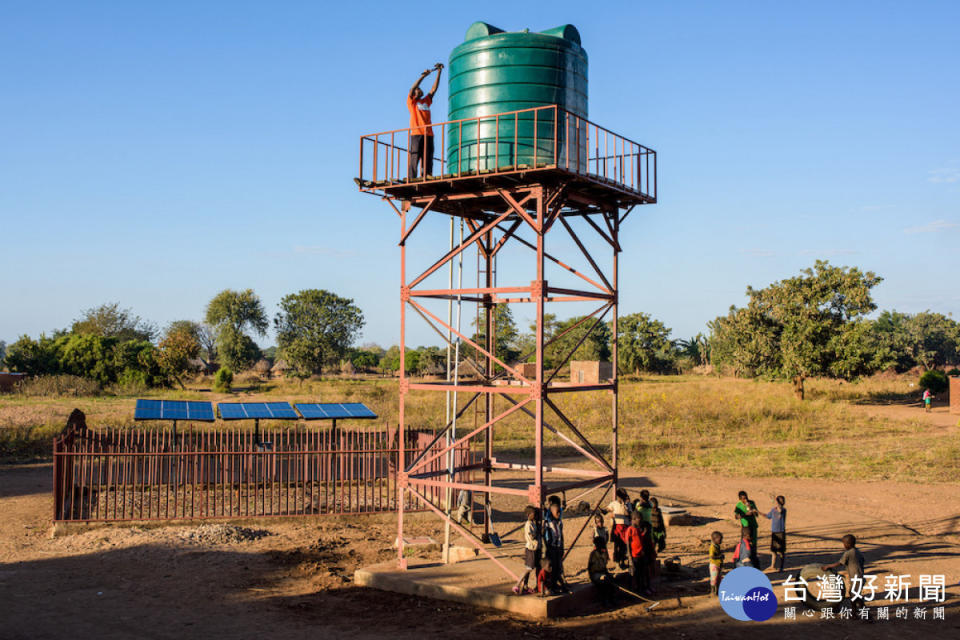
[464,507]
[927,400]
[634,541]
[599,530]
[658,526]
[715,556]
[531,549]
[643,505]
[620,507]
[778,533]
[743,554]
[599,575]
[553,540]
[746,513]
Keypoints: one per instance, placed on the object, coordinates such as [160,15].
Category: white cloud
[933,227]
[946,175]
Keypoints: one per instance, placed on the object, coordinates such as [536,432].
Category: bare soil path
[292,578]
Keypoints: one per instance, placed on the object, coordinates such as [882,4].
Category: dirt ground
[293,578]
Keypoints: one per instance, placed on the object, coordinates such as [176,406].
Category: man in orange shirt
[421,133]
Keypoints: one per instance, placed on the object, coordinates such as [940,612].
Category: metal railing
[547,137]
[150,474]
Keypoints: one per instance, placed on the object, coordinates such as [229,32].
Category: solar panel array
[173,410]
[257,410]
[334,411]
[203,411]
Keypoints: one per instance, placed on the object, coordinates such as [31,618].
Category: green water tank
[495,72]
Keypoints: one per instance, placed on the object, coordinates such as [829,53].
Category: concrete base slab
[475,582]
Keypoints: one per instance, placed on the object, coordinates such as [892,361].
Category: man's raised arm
[436,81]
[416,85]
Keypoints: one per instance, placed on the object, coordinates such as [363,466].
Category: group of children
[546,535]
[638,534]
[745,554]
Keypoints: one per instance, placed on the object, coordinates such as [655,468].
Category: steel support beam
[527,394]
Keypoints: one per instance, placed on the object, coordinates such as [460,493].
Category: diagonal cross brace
[463,532]
[571,426]
[593,456]
[606,309]
[425,461]
[416,221]
[470,342]
[460,248]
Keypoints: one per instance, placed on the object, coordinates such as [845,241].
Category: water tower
[521,168]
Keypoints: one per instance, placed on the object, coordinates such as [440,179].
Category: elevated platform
[475,582]
[464,195]
[598,170]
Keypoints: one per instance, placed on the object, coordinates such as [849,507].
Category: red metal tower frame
[541,195]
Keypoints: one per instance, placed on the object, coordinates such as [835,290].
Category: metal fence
[153,474]
[489,145]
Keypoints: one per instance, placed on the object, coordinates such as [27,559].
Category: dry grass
[725,425]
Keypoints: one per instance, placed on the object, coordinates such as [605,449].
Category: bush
[953,372]
[61,385]
[131,382]
[935,381]
[222,380]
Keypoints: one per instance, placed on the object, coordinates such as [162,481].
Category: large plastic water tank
[495,72]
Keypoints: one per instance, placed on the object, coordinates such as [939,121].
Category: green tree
[892,337]
[858,351]
[178,347]
[33,357]
[644,345]
[812,310]
[411,360]
[3,352]
[315,328]
[111,321]
[697,349]
[390,362]
[595,345]
[364,360]
[89,356]
[232,314]
[223,380]
[746,342]
[138,360]
[505,335]
[932,339]
[432,361]
[527,342]
[934,380]
[184,327]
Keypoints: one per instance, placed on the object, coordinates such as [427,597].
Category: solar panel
[334,411]
[257,410]
[173,410]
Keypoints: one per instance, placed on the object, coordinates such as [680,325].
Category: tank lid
[482,30]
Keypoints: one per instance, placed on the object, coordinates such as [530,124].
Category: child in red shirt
[546,579]
[633,537]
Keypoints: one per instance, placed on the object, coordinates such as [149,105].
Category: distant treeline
[814,324]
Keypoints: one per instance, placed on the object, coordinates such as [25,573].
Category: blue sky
[156,153]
